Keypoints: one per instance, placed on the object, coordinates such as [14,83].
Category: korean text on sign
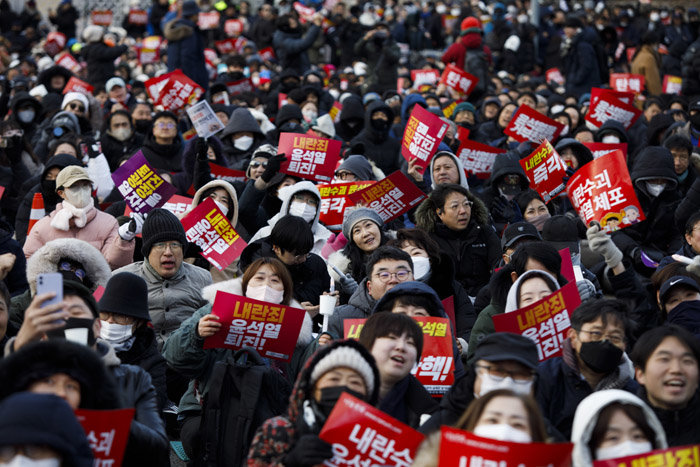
[422,135]
[545,169]
[309,157]
[459,80]
[141,187]
[546,322]
[681,456]
[391,197]
[528,124]
[477,158]
[435,370]
[334,201]
[107,433]
[627,82]
[362,435]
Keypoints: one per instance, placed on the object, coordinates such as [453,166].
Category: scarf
[61,220]
[617,379]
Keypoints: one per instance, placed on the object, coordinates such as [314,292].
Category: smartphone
[50,282]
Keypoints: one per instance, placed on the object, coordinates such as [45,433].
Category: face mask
[116,333]
[509,191]
[522,19]
[303,210]
[310,115]
[654,17]
[78,330]
[502,432]
[22,461]
[78,197]
[538,221]
[610,139]
[142,126]
[48,189]
[685,314]
[421,267]
[353,123]
[655,189]
[223,207]
[695,120]
[243,143]
[489,383]
[380,125]
[121,134]
[236,75]
[624,449]
[565,131]
[455,11]
[601,357]
[265,293]
[329,397]
[26,116]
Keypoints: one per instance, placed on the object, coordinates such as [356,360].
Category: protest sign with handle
[608,107]
[391,197]
[204,120]
[334,202]
[422,136]
[553,75]
[271,329]
[546,321]
[545,170]
[671,457]
[137,17]
[627,82]
[601,149]
[102,17]
[602,191]
[208,20]
[477,158]
[625,96]
[309,157]
[363,435]
[459,80]
[672,84]
[107,432]
[178,90]
[233,27]
[77,85]
[208,228]
[527,124]
[424,78]
[140,185]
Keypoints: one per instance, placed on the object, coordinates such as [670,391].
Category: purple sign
[141,187]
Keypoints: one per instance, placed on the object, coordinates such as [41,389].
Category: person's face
[651,111]
[118,93]
[221,196]
[61,385]
[573,115]
[4,316]
[265,275]
[569,31]
[680,294]
[693,238]
[287,181]
[681,160]
[366,235]
[266,12]
[670,376]
[76,108]
[141,112]
[385,275]
[533,290]
[534,209]
[456,212]
[165,129]
[395,357]
[57,82]
[567,155]
[595,331]
[257,167]
[464,116]
[527,100]
[293,24]
[52,173]
[76,185]
[340,376]
[511,368]
[563,119]
[506,115]
[490,111]
[414,250]
[345,176]
[621,428]
[445,170]
[410,310]
[584,137]
[166,258]
[504,410]
[380,116]
[119,121]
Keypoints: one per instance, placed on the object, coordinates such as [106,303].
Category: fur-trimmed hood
[427,218]
[233,217]
[46,258]
[235,286]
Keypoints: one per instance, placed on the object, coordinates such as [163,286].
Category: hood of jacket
[587,414]
[169,152]
[373,107]
[512,299]
[288,112]
[23,98]
[286,194]
[505,164]
[460,168]
[612,126]
[177,30]
[427,218]
[413,288]
[352,108]
[231,193]
[582,153]
[241,120]
[56,70]
[407,103]
[61,161]
[653,162]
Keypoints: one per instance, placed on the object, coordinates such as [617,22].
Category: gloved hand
[14,148]
[94,148]
[502,209]
[694,267]
[586,290]
[200,149]
[601,243]
[308,450]
[273,166]
[131,229]
[347,283]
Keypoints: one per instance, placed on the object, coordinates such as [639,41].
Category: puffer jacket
[100,231]
[186,50]
[690,69]
[580,66]
[291,48]
[100,61]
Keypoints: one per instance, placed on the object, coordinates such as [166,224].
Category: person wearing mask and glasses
[163,147]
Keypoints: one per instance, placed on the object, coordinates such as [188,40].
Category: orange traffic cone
[37,212]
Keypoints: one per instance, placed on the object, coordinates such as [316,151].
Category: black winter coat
[380,148]
[581,66]
[353,111]
[681,426]
[407,401]
[16,279]
[291,48]
[144,353]
[690,70]
[113,149]
[186,50]
[100,61]
[166,157]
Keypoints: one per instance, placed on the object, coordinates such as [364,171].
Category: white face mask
[26,116]
[502,432]
[78,196]
[265,293]
[303,210]
[310,115]
[522,19]
[22,461]
[654,17]
[115,333]
[441,9]
[421,267]
[223,207]
[655,189]
[488,384]
[243,143]
[455,11]
[624,449]
[121,134]
[610,139]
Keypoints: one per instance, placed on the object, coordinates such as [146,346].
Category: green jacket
[482,327]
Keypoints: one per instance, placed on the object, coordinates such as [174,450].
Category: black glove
[200,149]
[14,148]
[308,450]
[502,209]
[94,148]
[273,166]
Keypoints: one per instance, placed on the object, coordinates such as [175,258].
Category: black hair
[553,287]
[541,252]
[419,238]
[607,309]
[386,252]
[420,301]
[292,234]
[208,192]
[385,324]
[678,141]
[235,60]
[524,198]
[650,340]
[633,412]
[358,258]
[108,120]
[651,101]
[166,114]
[5,294]
[691,222]
[439,195]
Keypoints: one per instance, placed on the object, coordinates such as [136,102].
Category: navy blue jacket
[186,52]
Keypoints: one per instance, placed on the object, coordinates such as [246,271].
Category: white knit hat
[344,356]
[75,96]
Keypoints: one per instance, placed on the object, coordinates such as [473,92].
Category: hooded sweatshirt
[460,169]
[512,300]
[241,120]
[353,111]
[380,147]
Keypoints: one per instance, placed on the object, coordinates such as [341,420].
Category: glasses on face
[499,374]
[256,164]
[76,107]
[302,199]
[345,175]
[162,246]
[400,275]
[597,336]
[66,266]
[456,206]
[301,258]
[165,126]
[116,317]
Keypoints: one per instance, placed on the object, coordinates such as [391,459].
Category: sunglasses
[166,126]
[256,164]
[78,107]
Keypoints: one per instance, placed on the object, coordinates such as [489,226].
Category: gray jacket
[359,306]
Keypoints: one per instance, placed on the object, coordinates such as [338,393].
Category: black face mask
[381,126]
[509,190]
[236,75]
[75,323]
[142,126]
[601,357]
[686,315]
[329,397]
[695,120]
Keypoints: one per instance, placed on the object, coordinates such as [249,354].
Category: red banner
[77,85]
[107,432]
[138,17]
[208,20]
[249,322]
[672,84]
[68,62]
[607,107]
[462,448]
[233,27]
[527,124]
[309,157]
[671,457]
[102,17]
[477,158]
[602,191]
[178,204]
[364,435]
[154,86]
[55,42]
[268,53]
[391,197]
[146,56]
[242,85]
[424,77]
[626,97]
[225,46]
[458,79]
[554,75]
[334,202]
[449,305]
[545,170]
[627,82]
[601,149]
[422,136]
[224,173]
[178,91]
[305,12]
[208,228]
[546,322]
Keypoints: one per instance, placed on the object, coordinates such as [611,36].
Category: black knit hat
[126,294]
[161,226]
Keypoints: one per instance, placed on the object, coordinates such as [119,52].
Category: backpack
[475,62]
[244,392]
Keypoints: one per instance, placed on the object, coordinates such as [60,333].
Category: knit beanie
[348,357]
[470,24]
[463,107]
[161,225]
[126,294]
[354,216]
[359,166]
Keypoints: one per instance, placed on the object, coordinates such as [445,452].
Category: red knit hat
[470,24]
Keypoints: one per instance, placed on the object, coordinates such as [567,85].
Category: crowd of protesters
[627,380]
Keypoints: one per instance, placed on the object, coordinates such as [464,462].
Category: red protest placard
[554,75]
[257,324]
[77,85]
[233,27]
[146,56]
[304,11]
[178,204]
[462,448]
[141,187]
[627,82]
[422,136]
[102,17]
[67,61]
[424,78]
[527,124]
[545,170]
[449,305]
[363,435]
[601,149]
[208,20]
[268,53]
[671,457]
[458,79]
[55,42]
[334,202]
[546,322]
[240,86]
[567,266]
[138,17]
[107,432]
[391,197]
[602,191]
[309,157]
[208,228]
[672,84]
[626,97]
[178,91]
[477,158]
[607,107]
[225,46]
[224,173]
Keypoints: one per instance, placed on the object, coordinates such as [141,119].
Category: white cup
[327,304]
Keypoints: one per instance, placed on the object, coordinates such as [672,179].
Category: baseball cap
[561,232]
[115,81]
[676,281]
[71,174]
[517,231]
[501,346]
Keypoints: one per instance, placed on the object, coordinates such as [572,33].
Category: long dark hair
[633,412]
[358,258]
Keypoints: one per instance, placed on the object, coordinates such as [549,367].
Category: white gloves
[601,243]
[129,230]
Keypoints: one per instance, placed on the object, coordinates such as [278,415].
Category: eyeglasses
[256,164]
[162,246]
[596,336]
[400,275]
[301,258]
[303,199]
[78,107]
[165,126]
[116,317]
[499,374]
[66,266]
[456,206]
[345,175]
